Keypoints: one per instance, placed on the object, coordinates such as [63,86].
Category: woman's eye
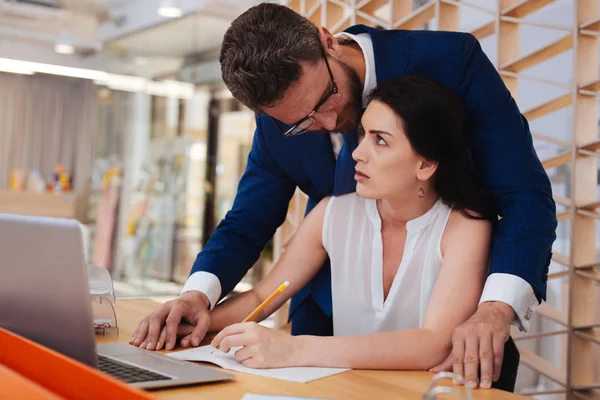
[380,140]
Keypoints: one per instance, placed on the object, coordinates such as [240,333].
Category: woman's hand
[261,347]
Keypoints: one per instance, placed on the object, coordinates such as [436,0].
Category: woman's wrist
[302,349]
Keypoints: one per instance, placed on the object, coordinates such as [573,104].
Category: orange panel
[60,375]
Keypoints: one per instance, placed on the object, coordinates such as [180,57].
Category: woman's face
[387,166]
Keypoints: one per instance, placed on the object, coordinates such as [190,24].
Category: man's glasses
[326,104]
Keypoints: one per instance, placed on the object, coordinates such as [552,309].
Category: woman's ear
[330,43]
[426,169]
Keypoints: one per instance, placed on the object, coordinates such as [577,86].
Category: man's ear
[330,43]
[426,169]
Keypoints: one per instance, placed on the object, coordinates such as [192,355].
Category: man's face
[311,88]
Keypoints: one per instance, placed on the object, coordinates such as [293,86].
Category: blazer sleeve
[260,207]
[507,166]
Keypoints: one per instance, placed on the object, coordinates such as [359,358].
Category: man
[305,86]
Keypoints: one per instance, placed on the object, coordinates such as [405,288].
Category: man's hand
[480,342]
[191,307]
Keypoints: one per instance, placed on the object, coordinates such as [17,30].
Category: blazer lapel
[318,157]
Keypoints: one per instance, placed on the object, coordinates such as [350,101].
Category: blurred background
[106,117]
[114,112]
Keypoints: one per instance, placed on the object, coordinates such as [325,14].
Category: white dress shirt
[509,289]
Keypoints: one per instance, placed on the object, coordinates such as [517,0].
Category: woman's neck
[397,212]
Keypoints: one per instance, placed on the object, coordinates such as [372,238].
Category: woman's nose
[358,153]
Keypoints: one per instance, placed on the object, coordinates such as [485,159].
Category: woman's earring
[421,192]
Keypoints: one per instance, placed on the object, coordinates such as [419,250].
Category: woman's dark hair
[432,118]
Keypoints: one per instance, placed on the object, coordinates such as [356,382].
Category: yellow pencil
[265,303]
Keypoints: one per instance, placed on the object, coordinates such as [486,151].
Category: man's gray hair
[262,50]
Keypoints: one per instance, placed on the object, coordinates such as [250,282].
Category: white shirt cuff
[206,283]
[514,291]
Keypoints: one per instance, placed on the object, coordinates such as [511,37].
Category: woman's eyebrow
[378,132]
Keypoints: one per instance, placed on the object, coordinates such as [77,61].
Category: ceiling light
[170,9]
[63,44]
[128,83]
[64,48]
[15,70]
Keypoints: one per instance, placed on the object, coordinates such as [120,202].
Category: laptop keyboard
[128,373]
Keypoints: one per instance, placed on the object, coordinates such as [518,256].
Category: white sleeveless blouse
[352,239]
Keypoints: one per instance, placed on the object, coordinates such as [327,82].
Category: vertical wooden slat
[447,16]
[314,11]
[584,177]
[400,9]
[508,45]
[333,14]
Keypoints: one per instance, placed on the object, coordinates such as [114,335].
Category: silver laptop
[44,296]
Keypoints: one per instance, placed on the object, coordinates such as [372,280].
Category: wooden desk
[355,384]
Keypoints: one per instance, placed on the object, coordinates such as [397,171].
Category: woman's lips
[360,176]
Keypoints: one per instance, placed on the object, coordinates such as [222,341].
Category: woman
[414,235]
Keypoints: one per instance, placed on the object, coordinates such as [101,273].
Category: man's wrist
[200,297]
[500,309]
[206,283]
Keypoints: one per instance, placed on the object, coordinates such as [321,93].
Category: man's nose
[326,120]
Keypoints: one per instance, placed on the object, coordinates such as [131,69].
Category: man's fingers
[486,360]
[155,325]
[457,359]
[446,365]
[471,361]
[135,333]
[172,322]
[199,332]
[498,342]
[184,329]
[162,338]
[141,332]
[186,341]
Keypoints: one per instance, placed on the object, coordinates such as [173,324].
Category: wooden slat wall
[580,152]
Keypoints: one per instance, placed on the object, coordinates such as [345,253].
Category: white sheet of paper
[252,396]
[227,361]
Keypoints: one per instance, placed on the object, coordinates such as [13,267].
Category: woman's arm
[465,248]
[299,263]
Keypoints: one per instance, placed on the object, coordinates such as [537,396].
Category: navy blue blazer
[505,164]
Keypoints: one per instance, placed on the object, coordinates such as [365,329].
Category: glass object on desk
[435,389]
[102,297]
[105,318]
[100,282]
